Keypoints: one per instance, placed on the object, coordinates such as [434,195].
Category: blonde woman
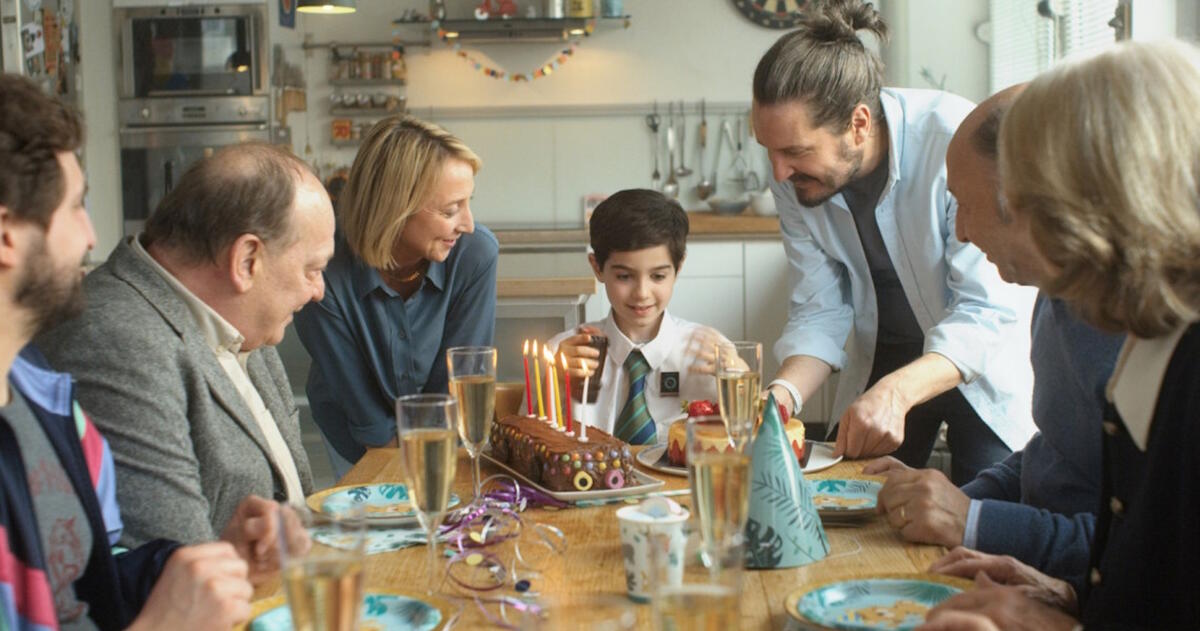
[1099,161]
[412,275]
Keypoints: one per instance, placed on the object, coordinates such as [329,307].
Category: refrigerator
[40,39]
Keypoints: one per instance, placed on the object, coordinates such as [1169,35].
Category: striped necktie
[634,425]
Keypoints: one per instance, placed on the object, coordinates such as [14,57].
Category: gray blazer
[186,445]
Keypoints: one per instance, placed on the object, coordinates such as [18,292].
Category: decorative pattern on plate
[845,497]
[380,612]
[873,603]
[638,484]
[378,539]
[384,504]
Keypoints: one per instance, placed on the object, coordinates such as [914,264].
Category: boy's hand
[702,347]
[576,348]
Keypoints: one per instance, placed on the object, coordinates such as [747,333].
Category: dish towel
[634,424]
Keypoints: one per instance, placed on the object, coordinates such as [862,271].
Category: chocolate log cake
[558,460]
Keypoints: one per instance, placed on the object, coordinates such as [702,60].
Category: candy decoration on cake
[784,529]
[556,459]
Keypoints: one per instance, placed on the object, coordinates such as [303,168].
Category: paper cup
[652,544]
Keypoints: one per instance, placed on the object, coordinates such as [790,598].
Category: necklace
[403,279]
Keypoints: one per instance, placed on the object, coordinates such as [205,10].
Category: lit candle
[537,374]
[587,375]
[551,395]
[566,390]
[528,390]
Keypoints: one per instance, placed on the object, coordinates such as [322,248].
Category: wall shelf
[365,82]
[376,112]
[519,30]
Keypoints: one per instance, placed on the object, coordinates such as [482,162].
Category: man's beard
[51,295]
[833,183]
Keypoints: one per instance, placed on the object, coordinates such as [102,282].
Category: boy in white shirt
[654,361]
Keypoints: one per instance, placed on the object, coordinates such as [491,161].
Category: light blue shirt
[969,315]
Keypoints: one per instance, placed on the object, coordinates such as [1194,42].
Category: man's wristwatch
[797,400]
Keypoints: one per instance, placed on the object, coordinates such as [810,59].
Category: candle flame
[547,355]
[563,360]
[535,349]
[525,348]
[584,368]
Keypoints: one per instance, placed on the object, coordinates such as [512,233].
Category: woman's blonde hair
[1103,156]
[393,176]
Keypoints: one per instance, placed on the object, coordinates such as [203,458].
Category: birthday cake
[713,437]
[558,460]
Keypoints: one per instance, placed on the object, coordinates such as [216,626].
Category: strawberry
[783,413]
[703,407]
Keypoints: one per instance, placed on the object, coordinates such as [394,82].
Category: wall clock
[779,14]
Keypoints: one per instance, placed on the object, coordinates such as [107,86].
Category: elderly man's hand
[873,425]
[1008,571]
[576,348]
[201,587]
[1005,607]
[924,506]
[254,533]
[884,466]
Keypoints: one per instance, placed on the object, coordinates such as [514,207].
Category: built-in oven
[192,50]
[193,79]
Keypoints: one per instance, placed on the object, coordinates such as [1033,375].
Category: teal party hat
[784,529]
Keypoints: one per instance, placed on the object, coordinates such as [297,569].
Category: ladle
[706,187]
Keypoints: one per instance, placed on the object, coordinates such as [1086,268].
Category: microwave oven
[192,50]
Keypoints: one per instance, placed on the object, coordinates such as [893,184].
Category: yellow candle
[558,412]
[537,371]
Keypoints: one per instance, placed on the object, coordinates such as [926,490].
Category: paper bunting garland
[540,72]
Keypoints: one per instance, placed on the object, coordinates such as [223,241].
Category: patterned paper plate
[385,504]
[817,457]
[840,498]
[893,602]
[382,609]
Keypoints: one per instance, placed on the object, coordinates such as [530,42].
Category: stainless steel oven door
[154,158]
[204,50]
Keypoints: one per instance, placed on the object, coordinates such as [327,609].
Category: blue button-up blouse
[369,345]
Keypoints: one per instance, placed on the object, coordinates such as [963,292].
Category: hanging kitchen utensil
[705,187]
[752,183]
[652,121]
[682,171]
[671,187]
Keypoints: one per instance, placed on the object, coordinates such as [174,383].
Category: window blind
[1025,43]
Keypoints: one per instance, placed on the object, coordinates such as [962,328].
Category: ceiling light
[326,7]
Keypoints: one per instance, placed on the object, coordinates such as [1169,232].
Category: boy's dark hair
[34,129]
[636,219]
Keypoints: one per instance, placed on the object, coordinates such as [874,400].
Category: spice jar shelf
[377,112]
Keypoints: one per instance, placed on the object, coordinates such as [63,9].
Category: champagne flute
[322,560]
[473,383]
[428,458]
[720,485]
[739,373]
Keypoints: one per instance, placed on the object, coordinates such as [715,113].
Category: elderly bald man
[1037,505]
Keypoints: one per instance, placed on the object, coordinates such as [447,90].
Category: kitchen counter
[705,225]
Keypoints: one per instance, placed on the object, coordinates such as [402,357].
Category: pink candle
[587,375]
[528,390]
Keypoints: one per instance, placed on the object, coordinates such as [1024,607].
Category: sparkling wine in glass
[473,383]
[425,424]
[720,484]
[739,375]
[322,568]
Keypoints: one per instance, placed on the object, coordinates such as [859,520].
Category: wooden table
[593,562]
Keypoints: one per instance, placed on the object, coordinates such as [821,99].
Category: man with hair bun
[869,230]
